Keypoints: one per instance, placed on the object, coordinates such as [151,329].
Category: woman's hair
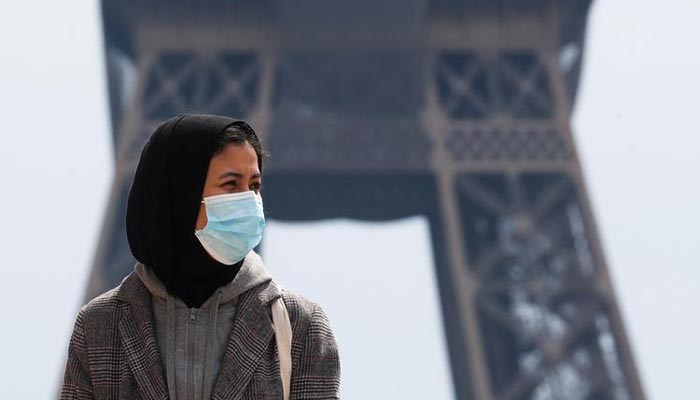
[238,133]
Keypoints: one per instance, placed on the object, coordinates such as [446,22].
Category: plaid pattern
[113,352]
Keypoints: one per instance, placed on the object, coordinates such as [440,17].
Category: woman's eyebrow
[237,175]
[233,174]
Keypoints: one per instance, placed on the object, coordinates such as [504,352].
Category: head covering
[164,202]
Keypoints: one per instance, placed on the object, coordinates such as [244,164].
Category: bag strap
[283,336]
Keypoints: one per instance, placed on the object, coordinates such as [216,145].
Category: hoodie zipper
[189,382]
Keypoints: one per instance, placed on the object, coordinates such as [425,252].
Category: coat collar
[137,331]
[251,334]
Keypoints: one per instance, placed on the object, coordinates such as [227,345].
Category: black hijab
[164,202]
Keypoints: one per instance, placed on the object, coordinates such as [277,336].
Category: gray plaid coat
[113,352]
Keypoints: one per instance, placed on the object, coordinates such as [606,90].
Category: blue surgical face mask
[235,223]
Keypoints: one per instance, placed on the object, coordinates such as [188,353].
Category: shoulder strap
[283,336]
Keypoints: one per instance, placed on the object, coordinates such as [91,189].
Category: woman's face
[233,170]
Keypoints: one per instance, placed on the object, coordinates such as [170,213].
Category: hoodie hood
[251,274]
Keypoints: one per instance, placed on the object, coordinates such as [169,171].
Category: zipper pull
[193,314]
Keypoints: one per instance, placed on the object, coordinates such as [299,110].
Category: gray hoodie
[192,341]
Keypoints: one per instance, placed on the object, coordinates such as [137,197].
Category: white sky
[636,126]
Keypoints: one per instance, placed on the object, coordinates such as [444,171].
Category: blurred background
[512,181]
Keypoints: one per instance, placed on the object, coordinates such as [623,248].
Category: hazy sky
[635,122]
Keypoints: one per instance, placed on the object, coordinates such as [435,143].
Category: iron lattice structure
[382,109]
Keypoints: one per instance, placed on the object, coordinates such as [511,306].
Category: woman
[194,320]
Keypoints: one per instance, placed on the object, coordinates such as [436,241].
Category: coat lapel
[137,331]
[251,334]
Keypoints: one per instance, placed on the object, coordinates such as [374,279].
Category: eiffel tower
[458,110]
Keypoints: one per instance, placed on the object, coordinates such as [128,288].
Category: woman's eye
[256,187]
[230,183]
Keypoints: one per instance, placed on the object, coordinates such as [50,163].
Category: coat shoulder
[299,305]
[306,316]
[106,304]
[302,310]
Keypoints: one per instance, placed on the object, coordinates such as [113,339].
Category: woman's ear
[201,217]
